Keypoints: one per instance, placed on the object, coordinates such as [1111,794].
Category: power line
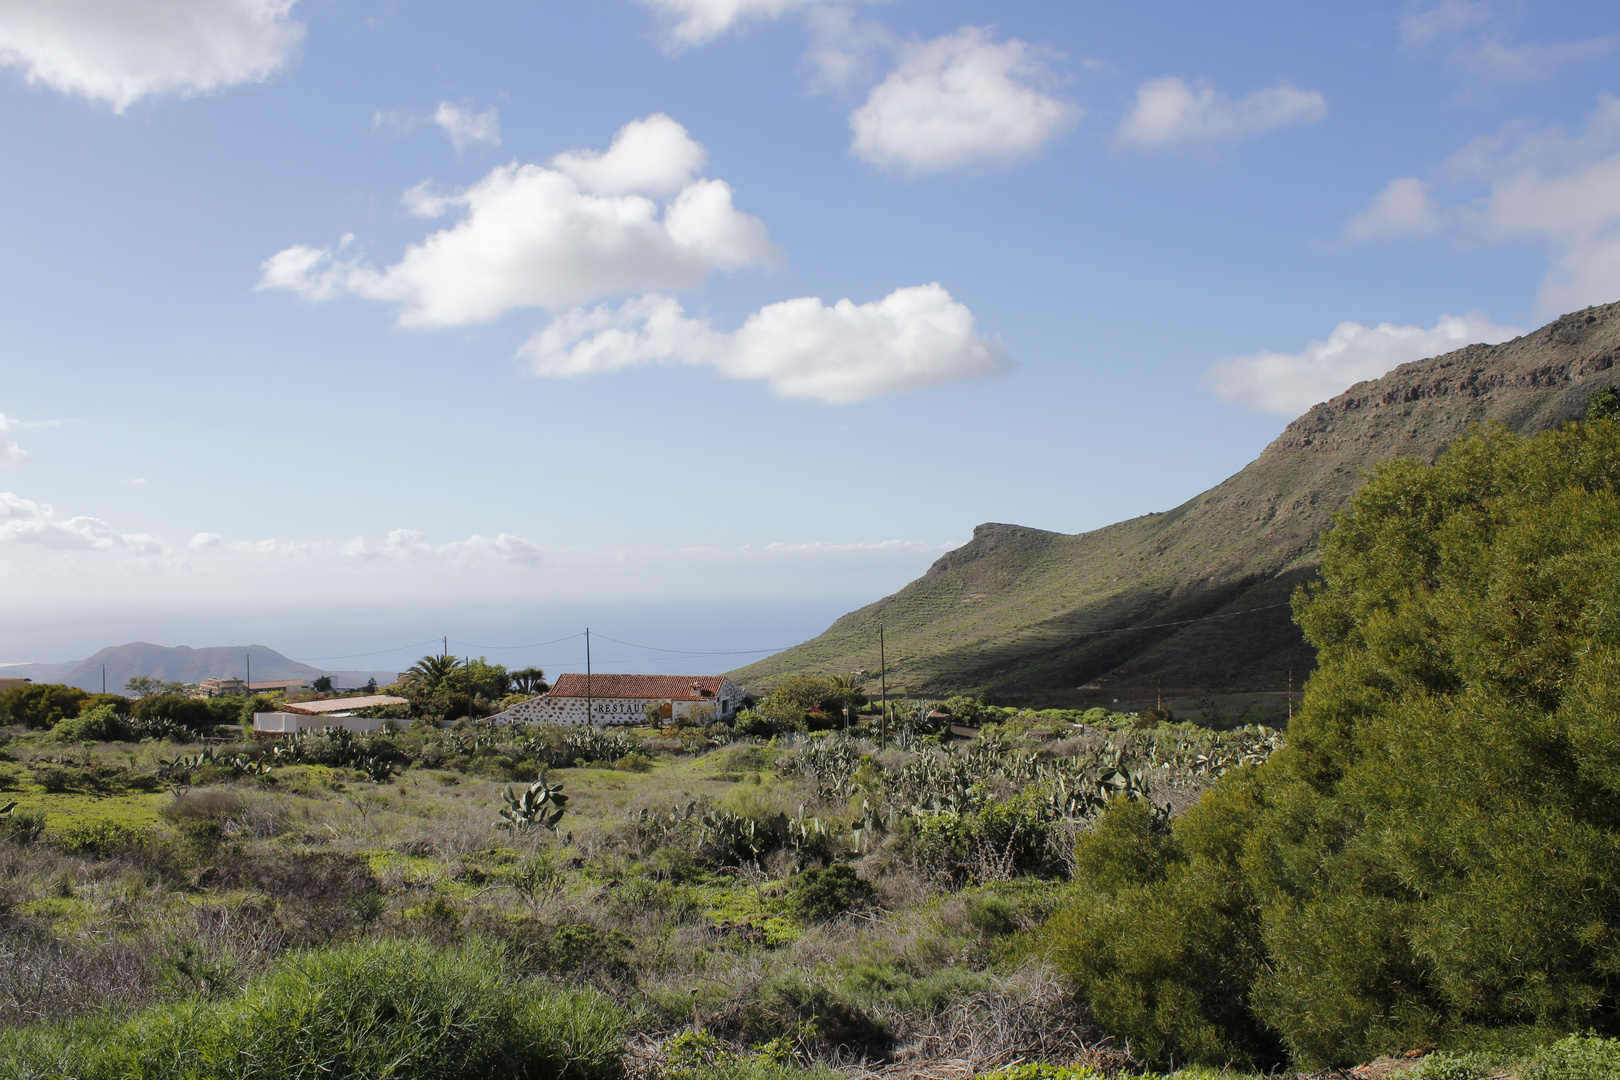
[494,648]
[689,652]
[351,656]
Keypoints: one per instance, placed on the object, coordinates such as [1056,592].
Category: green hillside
[1035,614]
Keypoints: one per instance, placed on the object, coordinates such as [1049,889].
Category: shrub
[751,725]
[635,761]
[385,1009]
[1578,1057]
[1438,844]
[41,706]
[1038,1071]
[23,826]
[818,895]
[992,915]
[163,710]
[101,838]
[1444,1066]
[55,779]
[103,723]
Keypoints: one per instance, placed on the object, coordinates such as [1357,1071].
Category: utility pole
[589,720]
[883,685]
[1290,695]
[103,678]
[248,682]
[446,650]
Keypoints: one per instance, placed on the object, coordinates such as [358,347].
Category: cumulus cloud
[25,522]
[698,22]
[957,100]
[1290,383]
[1561,188]
[654,156]
[1168,113]
[464,127]
[587,227]
[1403,208]
[119,51]
[911,339]
[10,452]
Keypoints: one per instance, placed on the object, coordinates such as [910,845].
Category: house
[623,699]
[282,686]
[311,715]
[216,687]
[12,684]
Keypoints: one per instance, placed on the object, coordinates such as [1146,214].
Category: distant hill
[1025,613]
[181,663]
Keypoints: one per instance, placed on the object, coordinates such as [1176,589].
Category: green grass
[386,1010]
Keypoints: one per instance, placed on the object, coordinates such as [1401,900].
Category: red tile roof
[652,687]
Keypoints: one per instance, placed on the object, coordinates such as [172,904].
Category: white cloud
[1290,383]
[1425,23]
[584,229]
[841,49]
[697,22]
[1168,112]
[10,452]
[957,100]
[406,545]
[119,51]
[654,156]
[465,127]
[24,522]
[1474,40]
[1403,208]
[911,339]
[1563,189]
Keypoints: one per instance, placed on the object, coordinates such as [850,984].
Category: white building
[623,699]
[313,715]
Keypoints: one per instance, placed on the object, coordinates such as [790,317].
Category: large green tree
[1438,846]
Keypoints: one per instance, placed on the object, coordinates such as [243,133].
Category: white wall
[286,723]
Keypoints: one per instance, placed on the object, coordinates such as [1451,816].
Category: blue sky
[335,324]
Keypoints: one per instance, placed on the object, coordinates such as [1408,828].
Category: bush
[1438,844]
[384,1009]
[751,725]
[55,779]
[1038,1071]
[23,826]
[165,710]
[1579,1057]
[992,915]
[102,838]
[1443,1066]
[635,761]
[103,723]
[42,706]
[818,895]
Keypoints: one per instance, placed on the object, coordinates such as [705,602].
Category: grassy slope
[1022,611]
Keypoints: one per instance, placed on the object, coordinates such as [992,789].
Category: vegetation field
[1419,879]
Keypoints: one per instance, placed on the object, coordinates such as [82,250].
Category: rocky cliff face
[1197,596]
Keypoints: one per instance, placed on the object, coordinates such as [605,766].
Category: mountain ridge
[180,663]
[1019,610]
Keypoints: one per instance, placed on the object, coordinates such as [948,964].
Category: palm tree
[430,672]
[529,680]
